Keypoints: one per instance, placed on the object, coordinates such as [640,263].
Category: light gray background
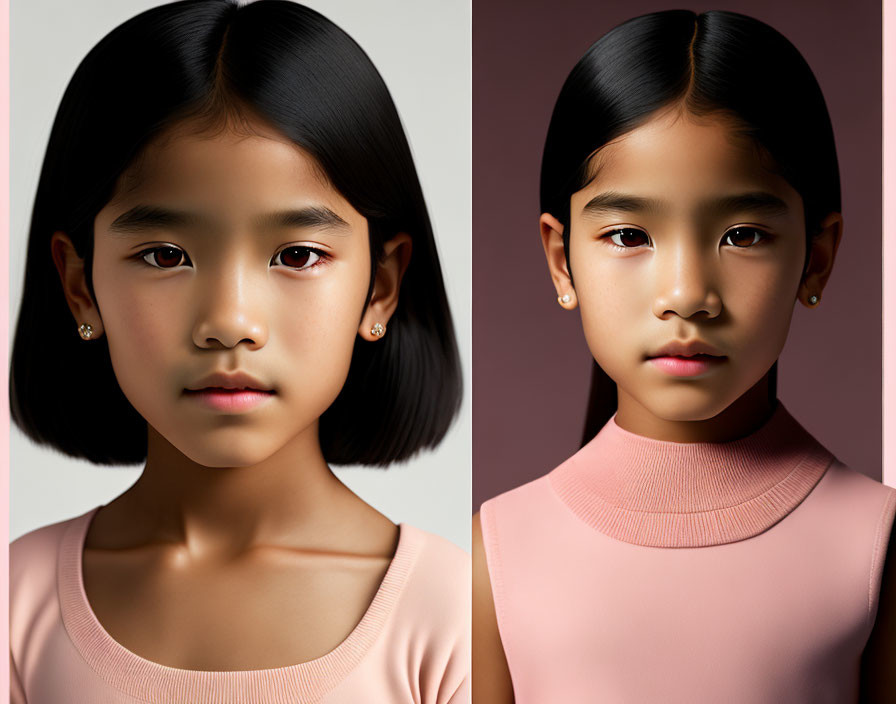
[422,48]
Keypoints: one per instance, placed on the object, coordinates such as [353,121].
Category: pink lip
[686,366]
[230,400]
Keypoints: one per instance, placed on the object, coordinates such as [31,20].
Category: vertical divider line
[888,245]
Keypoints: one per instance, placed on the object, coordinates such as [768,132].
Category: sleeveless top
[640,570]
[411,646]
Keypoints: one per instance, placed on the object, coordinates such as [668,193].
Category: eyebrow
[613,202]
[758,202]
[146,217]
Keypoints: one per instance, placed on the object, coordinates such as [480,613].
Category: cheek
[138,322]
[140,329]
[312,333]
[318,323]
[612,301]
[760,300]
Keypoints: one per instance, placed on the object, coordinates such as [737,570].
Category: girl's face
[229,261]
[683,236]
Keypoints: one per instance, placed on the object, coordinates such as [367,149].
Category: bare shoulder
[878,677]
[491,676]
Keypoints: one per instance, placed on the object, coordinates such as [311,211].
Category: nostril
[225,343]
[225,329]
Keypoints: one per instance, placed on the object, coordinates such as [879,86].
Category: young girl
[232,276]
[702,546]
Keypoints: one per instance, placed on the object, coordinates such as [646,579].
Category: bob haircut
[216,62]
[713,64]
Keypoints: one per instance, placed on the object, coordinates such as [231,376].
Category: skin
[678,259]
[878,679]
[236,507]
[491,676]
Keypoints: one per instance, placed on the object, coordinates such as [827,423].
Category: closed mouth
[222,390]
[689,356]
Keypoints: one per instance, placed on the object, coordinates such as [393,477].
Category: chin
[232,455]
[686,406]
[227,459]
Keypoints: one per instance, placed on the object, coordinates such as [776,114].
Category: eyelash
[763,236]
[321,255]
[150,251]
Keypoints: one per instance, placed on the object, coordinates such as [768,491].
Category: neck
[231,508]
[742,417]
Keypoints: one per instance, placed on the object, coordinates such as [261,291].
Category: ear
[821,259]
[552,240]
[386,284]
[74,283]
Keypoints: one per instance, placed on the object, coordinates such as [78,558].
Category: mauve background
[532,369]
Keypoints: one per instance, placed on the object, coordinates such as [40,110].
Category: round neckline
[153,682]
[661,493]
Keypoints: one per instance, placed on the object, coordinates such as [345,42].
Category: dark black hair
[215,61]
[715,63]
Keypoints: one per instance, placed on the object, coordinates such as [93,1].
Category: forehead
[675,156]
[226,169]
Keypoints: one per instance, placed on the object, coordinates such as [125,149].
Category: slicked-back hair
[216,62]
[716,63]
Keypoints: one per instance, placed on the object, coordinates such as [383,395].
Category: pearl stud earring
[378,330]
[564,299]
[85,330]
[813,299]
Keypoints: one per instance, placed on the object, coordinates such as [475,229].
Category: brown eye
[629,237]
[743,236]
[164,257]
[298,257]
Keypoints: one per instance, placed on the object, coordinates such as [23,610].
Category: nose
[230,309]
[686,283]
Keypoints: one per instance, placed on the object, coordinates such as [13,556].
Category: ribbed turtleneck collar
[669,494]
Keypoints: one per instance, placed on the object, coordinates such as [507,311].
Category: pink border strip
[4,329]
[889,245]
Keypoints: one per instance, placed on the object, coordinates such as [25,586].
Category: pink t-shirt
[644,571]
[411,646]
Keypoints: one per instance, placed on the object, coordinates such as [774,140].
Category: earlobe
[821,260]
[552,241]
[70,268]
[386,287]
[567,300]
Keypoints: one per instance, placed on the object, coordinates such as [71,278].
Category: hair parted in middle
[715,64]
[221,65]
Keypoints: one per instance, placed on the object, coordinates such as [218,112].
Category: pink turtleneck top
[410,647]
[639,570]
